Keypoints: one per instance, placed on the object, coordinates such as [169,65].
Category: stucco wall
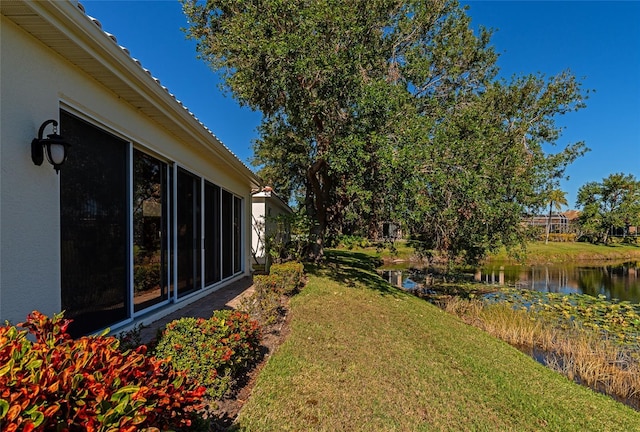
[265,208]
[30,217]
[257,230]
[35,83]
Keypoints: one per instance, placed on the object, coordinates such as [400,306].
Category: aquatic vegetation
[593,341]
[618,321]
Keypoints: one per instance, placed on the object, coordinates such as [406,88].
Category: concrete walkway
[227,297]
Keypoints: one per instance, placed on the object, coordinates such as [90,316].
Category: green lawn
[536,253]
[364,356]
[402,252]
[541,253]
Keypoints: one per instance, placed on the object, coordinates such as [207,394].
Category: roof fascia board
[274,198]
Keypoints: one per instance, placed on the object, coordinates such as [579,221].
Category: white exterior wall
[265,207]
[257,233]
[35,84]
[29,195]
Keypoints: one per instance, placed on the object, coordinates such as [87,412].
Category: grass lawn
[364,356]
[402,252]
[541,253]
[536,253]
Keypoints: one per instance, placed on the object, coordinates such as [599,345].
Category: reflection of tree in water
[590,281]
[614,281]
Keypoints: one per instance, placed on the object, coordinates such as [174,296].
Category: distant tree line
[610,207]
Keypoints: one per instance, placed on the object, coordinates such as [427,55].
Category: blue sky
[598,41]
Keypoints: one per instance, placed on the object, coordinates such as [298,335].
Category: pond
[613,280]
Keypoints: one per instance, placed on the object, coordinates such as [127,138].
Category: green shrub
[559,237]
[264,304]
[352,241]
[289,275]
[615,240]
[270,282]
[214,351]
[58,383]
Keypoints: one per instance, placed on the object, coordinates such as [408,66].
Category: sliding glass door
[136,231]
[94,227]
[150,226]
[237,234]
[212,243]
[189,233]
[227,234]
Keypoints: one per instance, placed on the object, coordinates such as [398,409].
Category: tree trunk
[373,228]
[318,188]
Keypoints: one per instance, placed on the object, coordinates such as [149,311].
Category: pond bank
[536,253]
[541,253]
[591,341]
[605,372]
[363,355]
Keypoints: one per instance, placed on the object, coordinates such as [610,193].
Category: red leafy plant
[214,351]
[60,383]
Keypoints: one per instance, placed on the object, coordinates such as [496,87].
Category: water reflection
[620,280]
[409,279]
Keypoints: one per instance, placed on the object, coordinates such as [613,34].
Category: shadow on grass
[352,269]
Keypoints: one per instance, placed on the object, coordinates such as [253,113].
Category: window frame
[169,205]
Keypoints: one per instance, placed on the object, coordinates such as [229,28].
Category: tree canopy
[610,205]
[388,110]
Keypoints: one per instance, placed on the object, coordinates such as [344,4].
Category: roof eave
[65,28]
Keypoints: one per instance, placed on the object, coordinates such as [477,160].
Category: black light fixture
[54,146]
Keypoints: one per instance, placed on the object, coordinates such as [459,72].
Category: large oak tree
[388,110]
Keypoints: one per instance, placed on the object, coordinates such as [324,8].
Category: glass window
[117,226]
[237,234]
[212,273]
[149,231]
[227,234]
[188,233]
[94,227]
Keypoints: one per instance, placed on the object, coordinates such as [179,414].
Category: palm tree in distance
[556,199]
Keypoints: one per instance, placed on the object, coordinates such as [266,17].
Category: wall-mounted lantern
[54,146]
